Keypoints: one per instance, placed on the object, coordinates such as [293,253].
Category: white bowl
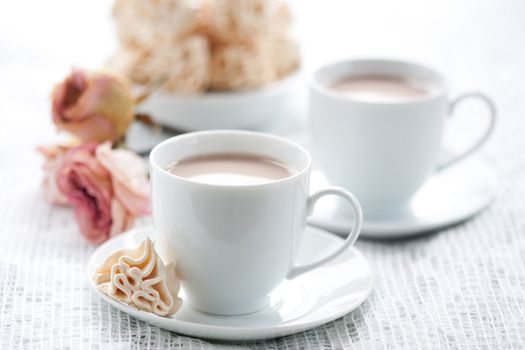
[222,110]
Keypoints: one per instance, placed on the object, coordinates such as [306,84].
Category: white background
[460,288]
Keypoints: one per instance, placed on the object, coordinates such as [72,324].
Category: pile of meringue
[139,278]
[204,45]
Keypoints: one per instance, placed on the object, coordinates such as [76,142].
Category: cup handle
[492,113]
[350,239]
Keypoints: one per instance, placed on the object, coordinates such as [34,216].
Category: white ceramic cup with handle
[384,151]
[233,244]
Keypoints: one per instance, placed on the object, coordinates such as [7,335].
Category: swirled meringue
[139,278]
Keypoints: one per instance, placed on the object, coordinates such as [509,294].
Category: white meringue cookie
[138,277]
[241,67]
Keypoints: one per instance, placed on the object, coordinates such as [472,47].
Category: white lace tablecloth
[463,287]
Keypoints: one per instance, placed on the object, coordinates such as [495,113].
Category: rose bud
[94,106]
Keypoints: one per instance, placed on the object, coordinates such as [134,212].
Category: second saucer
[449,197]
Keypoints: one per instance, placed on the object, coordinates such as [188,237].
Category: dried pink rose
[107,188]
[94,106]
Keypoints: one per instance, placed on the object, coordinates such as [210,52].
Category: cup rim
[300,172]
[322,89]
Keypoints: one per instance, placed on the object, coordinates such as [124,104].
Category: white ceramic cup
[234,244]
[383,151]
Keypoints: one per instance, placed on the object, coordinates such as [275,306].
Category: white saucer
[307,301]
[450,196]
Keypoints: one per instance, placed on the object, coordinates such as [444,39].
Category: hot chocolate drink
[230,169]
[381,88]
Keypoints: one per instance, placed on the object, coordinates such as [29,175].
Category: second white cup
[383,151]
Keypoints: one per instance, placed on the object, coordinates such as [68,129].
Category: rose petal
[66,95]
[130,184]
[92,208]
[121,220]
[52,164]
[87,185]
[96,128]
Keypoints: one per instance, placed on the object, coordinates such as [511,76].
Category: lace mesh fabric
[446,289]
[461,288]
